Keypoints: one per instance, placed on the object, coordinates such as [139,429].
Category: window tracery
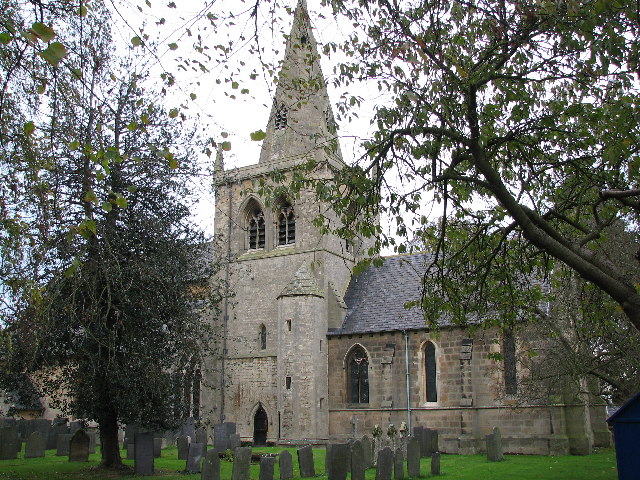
[358,376]
[286,225]
[431,385]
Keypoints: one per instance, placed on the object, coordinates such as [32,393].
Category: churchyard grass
[599,466]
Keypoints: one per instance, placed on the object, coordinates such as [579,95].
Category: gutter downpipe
[408,379]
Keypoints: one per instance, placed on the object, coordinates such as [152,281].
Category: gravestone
[157,447]
[418,433]
[285,461]
[183,447]
[62,447]
[435,463]
[234,441]
[434,441]
[357,461]
[35,446]
[74,427]
[131,450]
[413,457]
[79,447]
[494,446]
[92,441]
[220,437]
[305,462]
[143,453]
[241,463]
[398,465]
[10,443]
[327,457]
[426,442]
[211,466]
[189,428]
[196,452]
[338,466]
[22,427]
[57,428]
[267,465]
[367,450]
[201,436]
[384,469]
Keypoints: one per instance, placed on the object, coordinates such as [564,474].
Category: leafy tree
[519,120]
[111,310]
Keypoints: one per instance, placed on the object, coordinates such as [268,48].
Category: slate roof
[376,297]
[302,283]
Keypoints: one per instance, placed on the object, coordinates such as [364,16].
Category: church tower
[284,279]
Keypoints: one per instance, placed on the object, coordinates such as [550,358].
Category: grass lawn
[599,466]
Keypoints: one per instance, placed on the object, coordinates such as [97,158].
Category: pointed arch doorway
[260,427]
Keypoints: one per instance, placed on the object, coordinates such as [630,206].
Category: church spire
[301,119]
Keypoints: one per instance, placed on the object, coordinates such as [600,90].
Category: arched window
[358,376]
[280,120]
[263,337]
[510,367]
[286,225]
[431,386]
[256,228]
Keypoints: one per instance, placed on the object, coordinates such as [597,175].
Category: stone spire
[218,166]
[301,120]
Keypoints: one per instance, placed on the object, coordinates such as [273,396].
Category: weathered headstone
[367,450]
[194,458]
[79,447]
[131,450]
[9,443]
[183,447]
[285,462]
[384,469]
[211,466]
[413,457]
[340,461]
[92,442]
[157,447]
[434,447]
[426,442]
[35,446]
[418,433]
[267,464]
[62,447]
[58,428]
[327,457]
[357,461]
[220,437]
[234,441]
[435,463]
[398,465]
[241,463]
[201,436]
[494,446]
[143,453]
[305,462]
[189,428]
[74,427]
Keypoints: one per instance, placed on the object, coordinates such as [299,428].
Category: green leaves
[43,32]
[226,146]
[136,41]
[54,53]
[258,135]
[28,128]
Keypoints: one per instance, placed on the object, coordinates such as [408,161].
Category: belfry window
[256,229]
[280,120]
[431,386]
[263,337]
[286,226]
[358,376]
[510,367]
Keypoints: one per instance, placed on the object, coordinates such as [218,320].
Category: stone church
[311,353]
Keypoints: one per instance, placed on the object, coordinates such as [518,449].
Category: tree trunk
[109,440]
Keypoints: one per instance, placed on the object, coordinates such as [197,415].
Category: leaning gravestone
[196,451]
[305,462]
[143,453]
[62,447]
[267,465]
[9,443]
[435,463]
[384,469]
[340,461]
[35,446]
[494,446]
[234,441]
[157,447]
[211,466]
[286,465]
[183,447]
[413,457]
[367,450]
[241,463]
[201,436]
[398,465]
[79,447]
[357,461]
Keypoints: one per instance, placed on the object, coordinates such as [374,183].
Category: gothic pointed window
[510,367]
[431,385]
[358,376]
[255,228]
[280,119]
[263,337]
[286,225]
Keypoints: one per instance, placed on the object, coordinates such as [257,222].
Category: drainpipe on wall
[406,364]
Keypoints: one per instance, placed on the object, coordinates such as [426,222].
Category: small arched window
[286,225]
[358,376]
[431,386]
[280,120]
[263,337]
[510,367]
[255,227]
